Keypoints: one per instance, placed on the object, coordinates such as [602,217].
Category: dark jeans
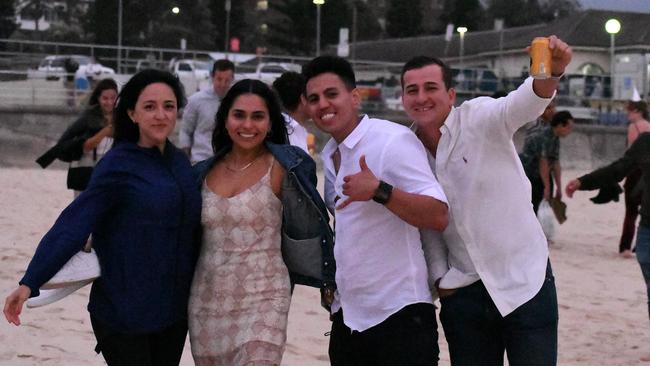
[477,334]
[632,203]
[150,349]
[643,256]
[407,338]
[537,188]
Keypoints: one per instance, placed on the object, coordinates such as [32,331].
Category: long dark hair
[104,84]
[125,129]
[221,142]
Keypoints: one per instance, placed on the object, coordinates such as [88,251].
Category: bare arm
[421,211]
[14,304]
[92,142]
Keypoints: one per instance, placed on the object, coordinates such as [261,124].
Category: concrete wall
[588,147]
[27,133]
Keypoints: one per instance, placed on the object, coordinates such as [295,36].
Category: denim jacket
[305,221]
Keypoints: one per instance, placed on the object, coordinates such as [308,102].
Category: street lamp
[119,36]
[227,40]
[176,10]
[462,31]
[612,26]
[318,5]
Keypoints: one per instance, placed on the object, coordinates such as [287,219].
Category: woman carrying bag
[85,141]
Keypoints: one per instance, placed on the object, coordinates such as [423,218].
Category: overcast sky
[640,6]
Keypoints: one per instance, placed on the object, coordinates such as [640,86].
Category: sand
[602,298]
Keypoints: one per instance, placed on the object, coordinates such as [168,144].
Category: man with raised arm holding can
[491,269]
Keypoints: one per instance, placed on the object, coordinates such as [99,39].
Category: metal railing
[589,96]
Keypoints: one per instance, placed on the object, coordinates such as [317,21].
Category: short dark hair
[104,84]
[336,65]
[125,129]
[221,141]
[222,65]
[561,118]
[289,87]
[419,62]
[640,106]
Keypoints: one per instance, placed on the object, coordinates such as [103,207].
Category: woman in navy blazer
[143,210]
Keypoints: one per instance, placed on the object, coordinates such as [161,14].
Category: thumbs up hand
[360,186]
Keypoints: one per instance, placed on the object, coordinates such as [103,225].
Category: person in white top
[197,126]
[290,88]
[492,270]
[637,114]
[381,190]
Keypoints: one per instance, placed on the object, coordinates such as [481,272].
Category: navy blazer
[143,211]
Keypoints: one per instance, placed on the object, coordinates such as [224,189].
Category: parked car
[53,67]
[482,81]
[269,71]
[194,74]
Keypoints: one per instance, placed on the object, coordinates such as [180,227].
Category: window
[591,68]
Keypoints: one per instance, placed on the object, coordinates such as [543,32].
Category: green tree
[468,13]
[553,9]
[238,26]
[516,12]
[404,18]
[368,28]
[7,23]
[294,30]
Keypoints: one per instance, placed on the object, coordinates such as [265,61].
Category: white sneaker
[82,268]
[49,296]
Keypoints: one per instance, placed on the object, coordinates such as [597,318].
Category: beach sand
[602,299]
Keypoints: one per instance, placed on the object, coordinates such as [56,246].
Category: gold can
[540,58]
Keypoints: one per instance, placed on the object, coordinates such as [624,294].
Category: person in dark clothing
[541,158]
[636,157]
[86,140]
[143,210]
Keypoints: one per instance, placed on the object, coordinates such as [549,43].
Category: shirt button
[325,264]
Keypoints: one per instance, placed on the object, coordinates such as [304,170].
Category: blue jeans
[643,256]
[477,334]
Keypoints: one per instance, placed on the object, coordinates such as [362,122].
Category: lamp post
[227,40]
[119,36]
[612,26]
[462,31]
[318,5]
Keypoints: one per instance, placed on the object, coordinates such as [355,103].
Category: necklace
[237,170]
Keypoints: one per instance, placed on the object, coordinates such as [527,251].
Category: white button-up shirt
[493,233]
[380,266]
[297,133]
[198,124]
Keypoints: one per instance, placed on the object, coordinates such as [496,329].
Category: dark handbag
[78,177]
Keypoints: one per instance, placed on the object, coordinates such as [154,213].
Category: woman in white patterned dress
[240,295]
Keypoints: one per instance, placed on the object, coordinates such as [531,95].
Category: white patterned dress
[240,295]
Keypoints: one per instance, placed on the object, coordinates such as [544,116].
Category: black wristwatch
[383,192]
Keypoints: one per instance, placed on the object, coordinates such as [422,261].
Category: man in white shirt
[378,185]
[496,288]
[290,88]
[197,126]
